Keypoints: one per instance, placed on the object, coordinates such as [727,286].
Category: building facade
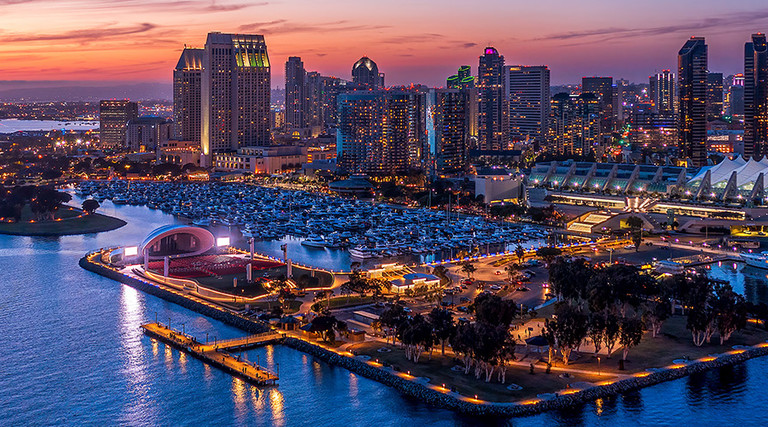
[714,96]
[366,72]
[381,132]
[235,93]
[493,116]
[692,96]
[294,92]
[756,97]
[187,96]
[529,102]
[448,124]
[662,92]
[114,116]
[602,88]
[147,133]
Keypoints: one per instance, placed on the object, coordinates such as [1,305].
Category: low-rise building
[262,159]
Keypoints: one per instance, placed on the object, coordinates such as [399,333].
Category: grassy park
[66,221]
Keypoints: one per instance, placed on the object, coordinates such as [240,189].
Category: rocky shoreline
[418,391]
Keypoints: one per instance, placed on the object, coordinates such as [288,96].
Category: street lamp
[598,366]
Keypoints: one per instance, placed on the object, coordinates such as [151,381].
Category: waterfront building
[146,133]
[381,132]
[187,96]
[262,160]
[756,97]
[529,102]
[714,96]
[602,89]
[692,96]
[366,72]
[178,152]
[294,92]
[235,93]
[493,112]
[463,79]
[448,127]
[662,92]
[114,116]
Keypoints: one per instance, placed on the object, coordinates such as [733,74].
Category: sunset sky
[412,41]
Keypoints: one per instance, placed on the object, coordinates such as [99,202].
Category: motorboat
[314,241]
[756,260]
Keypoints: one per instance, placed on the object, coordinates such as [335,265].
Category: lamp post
[598,366]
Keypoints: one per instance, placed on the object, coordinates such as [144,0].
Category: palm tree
[468,268]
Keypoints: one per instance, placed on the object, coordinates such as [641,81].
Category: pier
[217,353]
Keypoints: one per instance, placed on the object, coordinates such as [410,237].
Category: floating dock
[217,354]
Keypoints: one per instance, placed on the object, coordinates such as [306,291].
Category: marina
[323,222]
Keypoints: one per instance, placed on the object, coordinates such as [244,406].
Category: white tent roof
[749,172]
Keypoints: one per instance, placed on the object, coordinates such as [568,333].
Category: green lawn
[438,370]
[65,223]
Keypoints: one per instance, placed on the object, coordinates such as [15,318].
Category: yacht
[363,252]
[756,260]
[314,241]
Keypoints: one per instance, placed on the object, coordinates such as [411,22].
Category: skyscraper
[366,72]
[114,116]
[602,88]
[662,92]
[692,98]
[294,92]
[492,106]
[380,132]
[714,96]
[529,102]
[463,79]
[235,93]
[562,124]
[186,95]
[313,99]
[448,126]
[756,96]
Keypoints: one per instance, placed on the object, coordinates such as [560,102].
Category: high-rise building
[662,92]
[147,133]
[692,98]
[602,88]
[574,127]
[366,72]
[380,132]
[312,99]
[620,95]
[756,97]
[448,128]
[735,96]
[492,105]
[714,96]
[294,92]
[235,93]
[463,79]
[186,95]
[114,116]
[529,102]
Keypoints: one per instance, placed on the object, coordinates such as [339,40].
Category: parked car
[463,299]
[497,272]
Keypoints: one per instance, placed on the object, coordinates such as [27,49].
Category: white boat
[202,222]
[363,252]
[314,241]
[756,260]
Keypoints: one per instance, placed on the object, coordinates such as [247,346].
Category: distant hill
[49,91]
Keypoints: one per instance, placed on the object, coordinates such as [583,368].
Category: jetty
[218,353]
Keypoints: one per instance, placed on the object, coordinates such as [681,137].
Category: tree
[612,329]
[520,253]
[463,342]
[325,325]
[494,310]
[635,224]
[392,318]
[570,279]
[468,268]
[597,330]
[655,313]
[90,206]
[548,253]
[730,311]
[442,273]
[569,329]
[443,326]
[416,335]
[631,332]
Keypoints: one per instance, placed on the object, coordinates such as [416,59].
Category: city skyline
[419,43]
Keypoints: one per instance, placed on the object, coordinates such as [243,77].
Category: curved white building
[177,241]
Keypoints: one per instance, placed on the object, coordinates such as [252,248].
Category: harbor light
[222,241]
[131,251]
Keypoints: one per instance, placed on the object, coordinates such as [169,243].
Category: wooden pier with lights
[217,353]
